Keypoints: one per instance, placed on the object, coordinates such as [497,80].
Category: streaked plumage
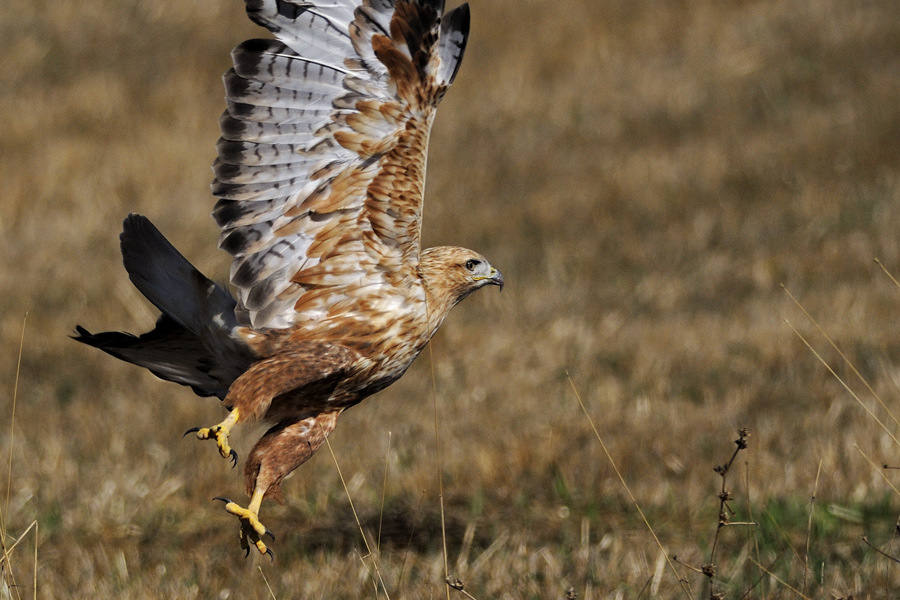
[320,176]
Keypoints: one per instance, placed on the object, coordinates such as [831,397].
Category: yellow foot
[220,434]
[251,529]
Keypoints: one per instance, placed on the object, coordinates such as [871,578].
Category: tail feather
[194,342]
[169,281]
[169,351]
[452,44]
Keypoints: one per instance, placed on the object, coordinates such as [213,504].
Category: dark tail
[169,281]
[193,342]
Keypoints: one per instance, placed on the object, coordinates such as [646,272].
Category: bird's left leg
[282,449]
[249,397]
[220,434]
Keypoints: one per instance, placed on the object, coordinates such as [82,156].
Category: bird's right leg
[220,434]
[249,397]
[281,450]
[252,530]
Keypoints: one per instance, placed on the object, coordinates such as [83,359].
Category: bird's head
[450,274]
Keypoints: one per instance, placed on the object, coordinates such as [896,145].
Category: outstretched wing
[321,164]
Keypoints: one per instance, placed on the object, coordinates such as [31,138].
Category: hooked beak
[496,278]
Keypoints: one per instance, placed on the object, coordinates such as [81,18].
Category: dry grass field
[646,174]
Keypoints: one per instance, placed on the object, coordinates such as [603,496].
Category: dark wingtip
[459,19]
[132,223]
[81,335]
[136,230]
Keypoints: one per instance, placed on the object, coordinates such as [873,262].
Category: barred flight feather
[317,32]
[238,173]
[229,214]
[269,114]
[260,192]
[270,61]
[250,91]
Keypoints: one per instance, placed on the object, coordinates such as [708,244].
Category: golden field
[647,175]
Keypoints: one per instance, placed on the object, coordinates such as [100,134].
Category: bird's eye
[471,264]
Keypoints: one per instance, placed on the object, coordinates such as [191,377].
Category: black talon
[270,534]
[234,458]
[191,430]
[270,553]
[225,500]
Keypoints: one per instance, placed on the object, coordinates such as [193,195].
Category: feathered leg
[281,450]
[250,395]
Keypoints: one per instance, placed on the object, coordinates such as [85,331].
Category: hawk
[319,177]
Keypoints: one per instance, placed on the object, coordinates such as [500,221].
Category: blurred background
[647,175]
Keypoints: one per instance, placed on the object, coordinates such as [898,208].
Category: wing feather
[273,132]
[321,165]
[269,114]
[228,173]
[316,30]
[249,91]
[270,61]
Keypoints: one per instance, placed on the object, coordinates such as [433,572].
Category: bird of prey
[319,178]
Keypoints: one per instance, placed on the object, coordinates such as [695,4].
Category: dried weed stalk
[710,569]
